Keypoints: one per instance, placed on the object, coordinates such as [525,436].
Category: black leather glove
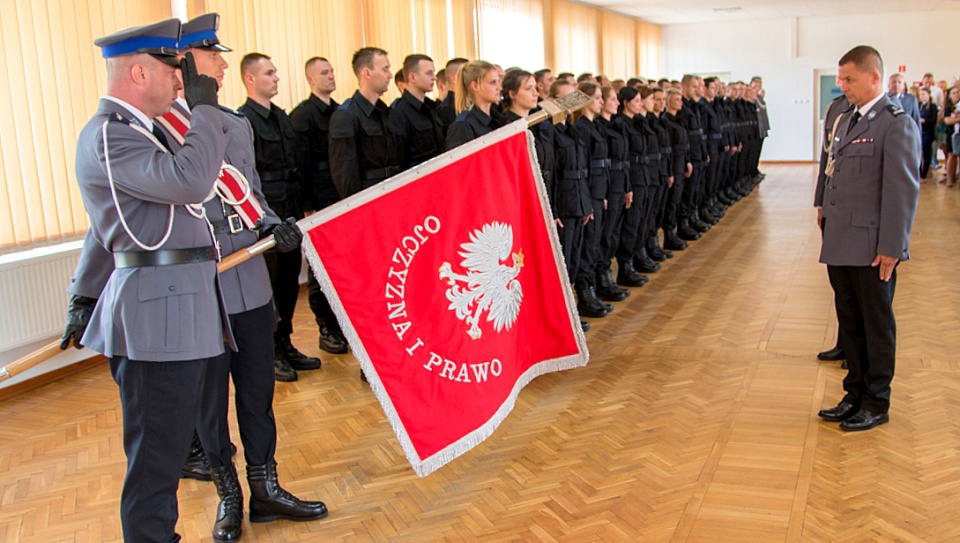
[287,235]
[78,317]
[198,89]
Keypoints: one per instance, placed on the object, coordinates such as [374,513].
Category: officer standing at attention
[274,142]
[866,206]
[448,107]
[157,318]
[413,117]
[831,119]
[363,150]
[362,145]
[247,295]
[311,122]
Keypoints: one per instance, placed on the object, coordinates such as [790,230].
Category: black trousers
[655,196]
[251,368]
[319,305]
[631,227]
[590,250]
[712,171]
[571,243]
[671,211]
[926,149]
[868,333]
[284,270]
[160,402]
[690,197]
[612,223]
[322,311]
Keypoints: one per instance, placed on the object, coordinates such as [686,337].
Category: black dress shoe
[332,341]
[835,353]
[840,413]
[585,326]
[864,420]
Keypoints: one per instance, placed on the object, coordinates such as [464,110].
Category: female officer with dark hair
[634,219]
[620,196]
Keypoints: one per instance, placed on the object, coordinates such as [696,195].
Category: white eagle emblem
[487,285]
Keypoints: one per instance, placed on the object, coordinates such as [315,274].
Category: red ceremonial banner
[449,284]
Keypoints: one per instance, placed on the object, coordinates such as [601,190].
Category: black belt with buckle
[164,257]
[574,174]
[651,158]
[617,165]
[232,224]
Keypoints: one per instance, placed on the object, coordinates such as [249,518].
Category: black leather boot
[588,305]
[268,501]
[644,263]
[230,512]
[628,276]
[282,370]
[699,225]
[685,232]
[672,242]
[331,340]
[295,358]
[656,252]
[196,467]
[607,290]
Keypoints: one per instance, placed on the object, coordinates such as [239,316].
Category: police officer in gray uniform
[867,202]
[831,119]
[157,316]
[247,294]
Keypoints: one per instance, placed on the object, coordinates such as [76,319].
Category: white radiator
[33,293]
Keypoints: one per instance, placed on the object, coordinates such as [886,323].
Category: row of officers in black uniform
[631,163]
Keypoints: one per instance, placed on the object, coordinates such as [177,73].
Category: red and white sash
[232,187]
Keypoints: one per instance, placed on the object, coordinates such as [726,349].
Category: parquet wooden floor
[694,421]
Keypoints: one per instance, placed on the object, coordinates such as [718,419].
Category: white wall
[747,48]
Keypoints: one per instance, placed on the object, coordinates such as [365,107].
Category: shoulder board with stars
[895,110]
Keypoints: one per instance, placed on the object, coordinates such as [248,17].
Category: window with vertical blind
[618,52]
[511,33]
[576,43]
[648,49]
[55,76]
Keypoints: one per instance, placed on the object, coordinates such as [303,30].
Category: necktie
[853,121]
[160,137]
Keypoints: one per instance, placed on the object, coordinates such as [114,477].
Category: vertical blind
[55,76]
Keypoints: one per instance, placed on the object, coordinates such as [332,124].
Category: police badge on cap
[159,40]
[201,32]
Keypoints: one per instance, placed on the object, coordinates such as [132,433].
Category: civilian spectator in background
[949,118]
[935,92]
[928,127]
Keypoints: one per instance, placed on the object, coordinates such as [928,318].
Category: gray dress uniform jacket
[246,286]
[837,107]
[870,201]
[151,313]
